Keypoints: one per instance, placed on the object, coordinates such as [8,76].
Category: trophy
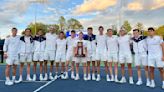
[80,50]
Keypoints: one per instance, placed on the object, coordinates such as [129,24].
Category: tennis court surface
[78,86]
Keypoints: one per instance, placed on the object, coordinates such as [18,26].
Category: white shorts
[113,57]
[38,56]
[125,58]
[49,55]
[155,60]
[70,57]
[25,58]
[102,56]
[141,59]
[91,56]
[60,57]
[80,60]
[12,59]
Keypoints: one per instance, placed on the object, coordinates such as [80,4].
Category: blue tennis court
[80,85]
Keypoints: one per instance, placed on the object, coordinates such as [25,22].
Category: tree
[55,26]
[160,30]
[62,23]
[127,26]
[74,24]
[139,26]
[38,26]
[114,28]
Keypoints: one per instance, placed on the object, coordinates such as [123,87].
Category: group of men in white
[104,47]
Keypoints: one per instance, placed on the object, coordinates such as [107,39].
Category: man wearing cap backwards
[101,52]
[91,46]
[10,49]
[112,46]
[140,50]
[50,51]
[125,55]
[155,55]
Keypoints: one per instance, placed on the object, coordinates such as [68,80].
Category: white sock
[77,74]
[139,79]
[147,79]
[152,81]
[34,74]
[89,74]
[13,77]
[72,72]
[7,78]
[115,76]
[46,74]
[163,82]
[85,75]
[112,76]
[98,75]
[40,74]
[28,75]
[50,74]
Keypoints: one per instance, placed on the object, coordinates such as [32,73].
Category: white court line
[28,81]
[40,88]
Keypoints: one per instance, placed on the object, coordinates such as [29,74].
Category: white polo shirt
[50,42]
[154,45]
[61,46]
[70,43]
[101,43]
[124,44]
[112,44]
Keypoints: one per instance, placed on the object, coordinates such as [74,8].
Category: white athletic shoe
[89,77]
[107,78]
[85,78]
[139,82]
[66,75]
[152,85]
[45,77]
[56,76]
[98,78]
[41,77]
[116,79]
[72,76]
[51,77]
[8,82]
[34,77]
[131,80]
[148,83]
[93,77]
[112,78]
[20,80]
[123,80]
[77,77]
[62,76]
[163,86]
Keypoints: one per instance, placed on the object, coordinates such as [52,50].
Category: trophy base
[79,55]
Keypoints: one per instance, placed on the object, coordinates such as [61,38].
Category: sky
[20,13]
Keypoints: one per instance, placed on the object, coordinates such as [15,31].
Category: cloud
[138,5]
[94,5]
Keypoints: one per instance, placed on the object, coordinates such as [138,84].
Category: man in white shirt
[91,46]
[50,51]
[38,57]
[155,55]
[69,55]
[60,54]
[125,55]
[112,46]
[101,52]
[80,53]
[25,53]
[10,49]
[140,50]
